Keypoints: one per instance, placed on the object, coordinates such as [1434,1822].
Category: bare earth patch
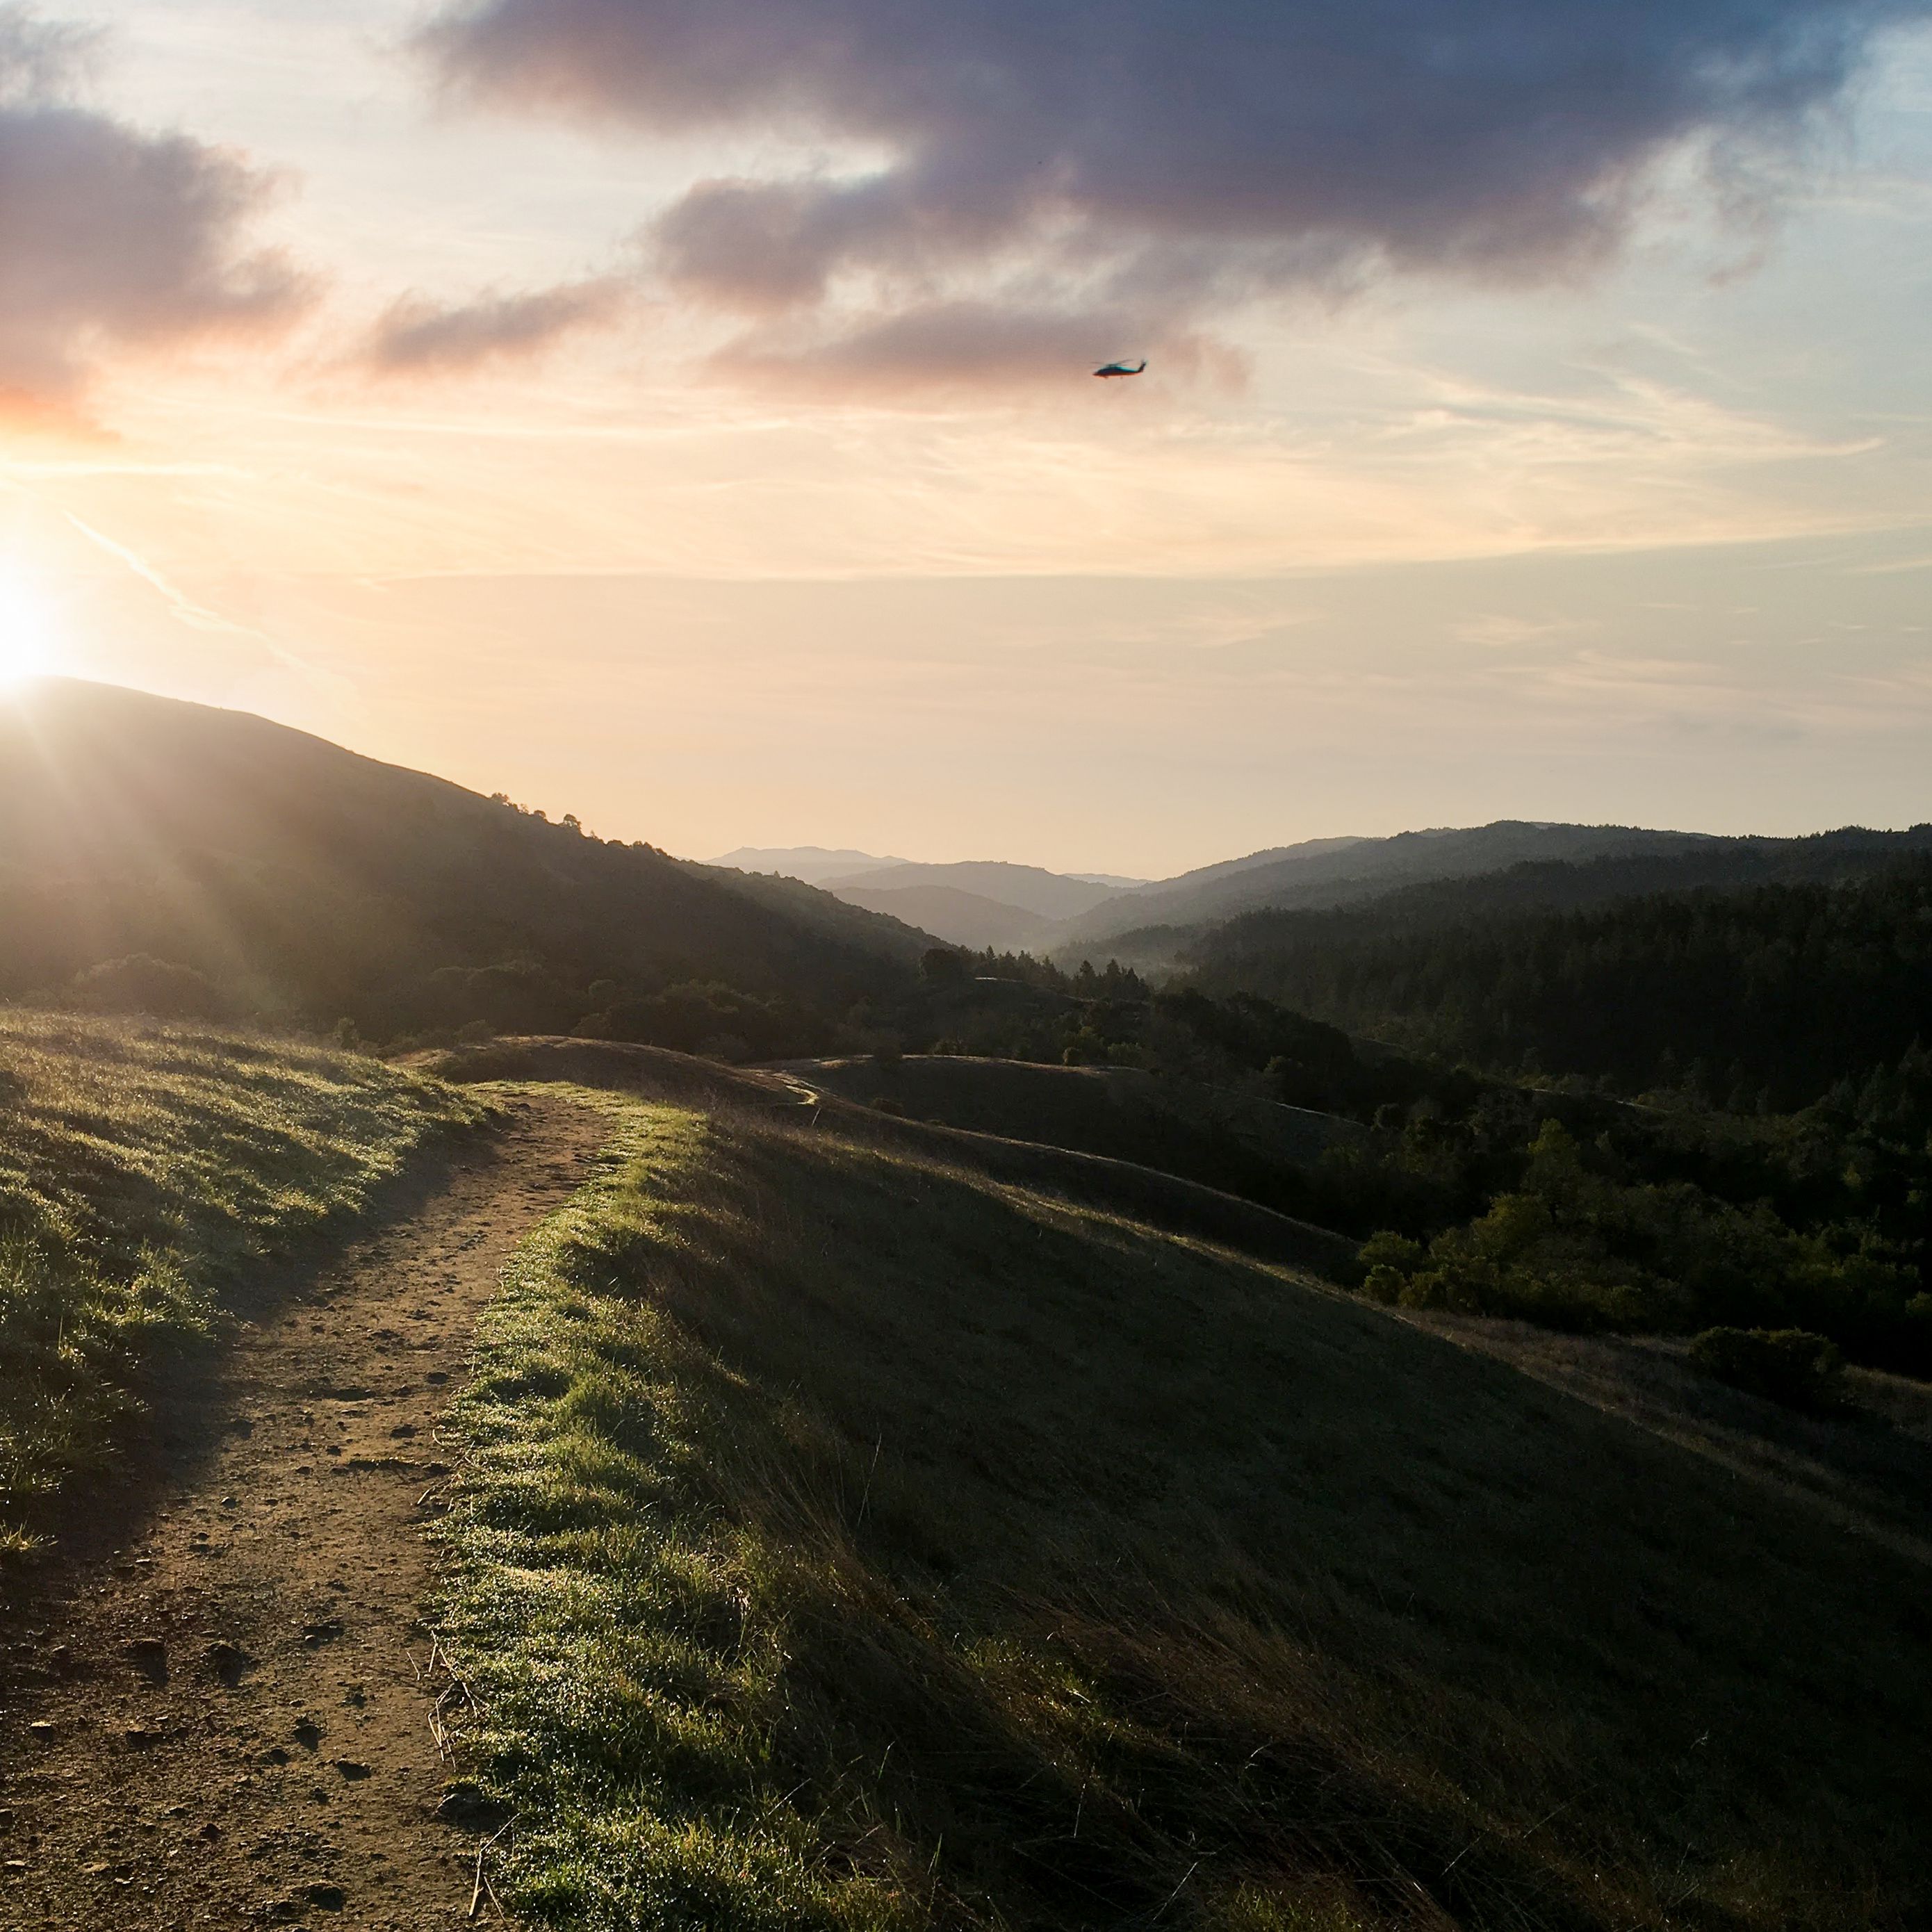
[214,1712]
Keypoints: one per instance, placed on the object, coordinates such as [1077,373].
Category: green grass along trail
[858,1536]
[858,1524]
[214,1706]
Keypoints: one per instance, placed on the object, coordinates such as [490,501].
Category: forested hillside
[1776,994]
[1344,871]
[1440,878]
[246,869]
[1673,1111]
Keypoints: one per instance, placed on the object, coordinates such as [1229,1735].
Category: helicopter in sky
[1121,368]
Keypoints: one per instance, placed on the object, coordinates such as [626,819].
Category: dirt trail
[210,1714]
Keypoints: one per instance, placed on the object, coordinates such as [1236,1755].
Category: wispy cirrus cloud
[113,239]
[1130,166]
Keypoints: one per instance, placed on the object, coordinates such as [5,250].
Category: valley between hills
[1384,1384]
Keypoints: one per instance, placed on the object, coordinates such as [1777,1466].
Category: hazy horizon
[720,462]
[556,809]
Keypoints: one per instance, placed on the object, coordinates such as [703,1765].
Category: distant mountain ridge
[1778,965]
[1047,895]
[975,903]
[1226,869]
[1339,871]
[814,864]
[1738,864]
[1153,926]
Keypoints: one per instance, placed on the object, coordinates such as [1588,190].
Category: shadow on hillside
[1120,1580]
[1166,1200]
[1866,1467]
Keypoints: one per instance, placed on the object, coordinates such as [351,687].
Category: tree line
[1767,999]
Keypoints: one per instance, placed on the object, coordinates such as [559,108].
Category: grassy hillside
[141,1168]
[852,1541]
[1180,1125]
[1070,1157]
[303,880]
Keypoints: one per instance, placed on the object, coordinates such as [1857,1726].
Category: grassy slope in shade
[849,1541]
[141,1168]
[1168,1122]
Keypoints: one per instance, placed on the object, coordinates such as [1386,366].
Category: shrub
[711,1019]
[1468,1290]
[141,984]
[1395,1252]
[516,996]
[1787,1365]
[1384,1284]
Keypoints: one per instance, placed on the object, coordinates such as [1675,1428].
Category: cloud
[419,336]
[112,238]
[1158,158]
[42,56]
[954,348]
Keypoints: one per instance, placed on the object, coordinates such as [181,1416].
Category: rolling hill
[856,1537]
[1047,895]
[1343,872]
[1166,1122]
[869,1526]
[961,918]
[303,881]
[975,903]
[1789,965]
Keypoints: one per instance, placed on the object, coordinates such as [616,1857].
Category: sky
[678,412]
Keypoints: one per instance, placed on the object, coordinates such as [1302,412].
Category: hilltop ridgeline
[292,880]
[1510,866]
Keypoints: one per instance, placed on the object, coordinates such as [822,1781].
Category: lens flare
[28,644]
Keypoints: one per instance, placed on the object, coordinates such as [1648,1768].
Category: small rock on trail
[149,1656]
[210,1714]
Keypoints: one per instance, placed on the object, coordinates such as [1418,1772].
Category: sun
[28,644]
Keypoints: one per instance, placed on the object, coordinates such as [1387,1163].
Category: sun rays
[29,629]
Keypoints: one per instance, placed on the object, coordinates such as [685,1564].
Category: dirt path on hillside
[210,1714]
